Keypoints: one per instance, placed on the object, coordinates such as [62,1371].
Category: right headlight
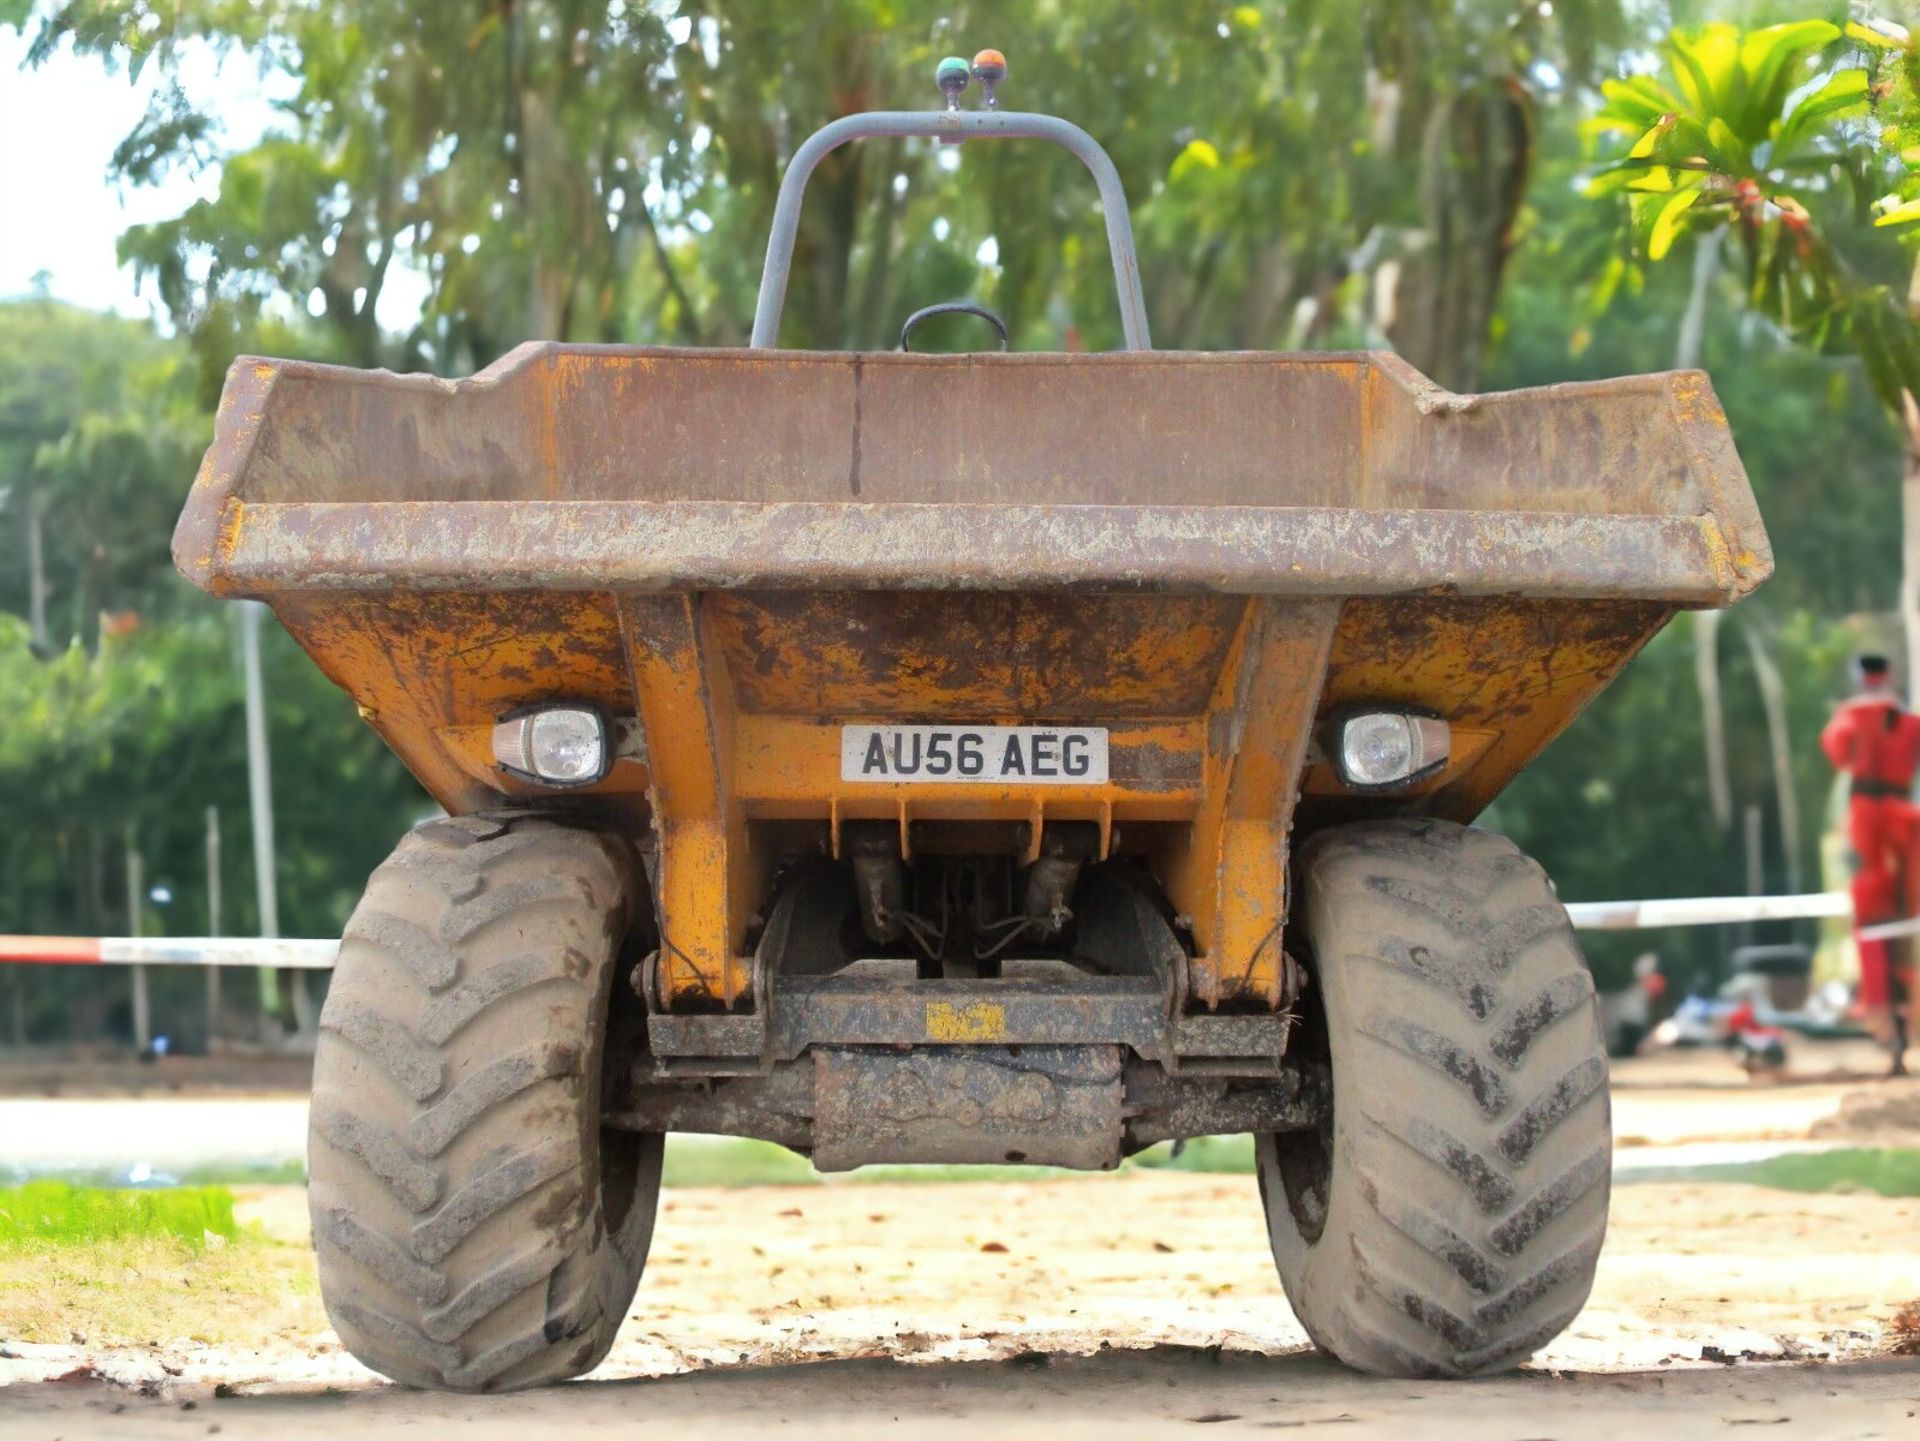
[554,745]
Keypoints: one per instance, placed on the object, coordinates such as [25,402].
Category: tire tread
[1474,1207]
[456,1201]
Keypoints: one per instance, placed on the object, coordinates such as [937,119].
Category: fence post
[142,1008]
[213,922]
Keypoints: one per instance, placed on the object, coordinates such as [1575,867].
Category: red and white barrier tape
[1705,911]
[167,951]
[1724,910]
[318,955]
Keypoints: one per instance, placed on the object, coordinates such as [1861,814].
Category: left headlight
[1389,748]
[554,745]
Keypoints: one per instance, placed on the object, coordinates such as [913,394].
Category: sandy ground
[1135,1395]
[116,1074]
[1040,1286]
[1063,1308]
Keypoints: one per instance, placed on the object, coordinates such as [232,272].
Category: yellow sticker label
[970,1024]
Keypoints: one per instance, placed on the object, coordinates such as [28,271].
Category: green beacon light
[953,75]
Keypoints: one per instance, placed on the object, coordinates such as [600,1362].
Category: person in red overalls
[1875,740]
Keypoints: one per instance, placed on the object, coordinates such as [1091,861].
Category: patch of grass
[57,1213]
[1885,1172]
[258,1173]
[283,1173]
[242,1281]
[132,1293]
[1212,1155]
[717,1161]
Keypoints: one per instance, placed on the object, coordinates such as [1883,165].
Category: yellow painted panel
[974,1024]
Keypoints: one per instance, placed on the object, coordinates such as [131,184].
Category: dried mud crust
[475,1229]
[1888,1115]
[1450,1221]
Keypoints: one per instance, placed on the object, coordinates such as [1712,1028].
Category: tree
[605,170]
[124,718]
[136,739]
[487,145]
[1620,806]
[99,423]
[1798,141]
[1307,173]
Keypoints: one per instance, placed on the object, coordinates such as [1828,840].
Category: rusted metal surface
[705,882]
[1164,1107]
[1204,554]
[879,1003]
[640,427]
[431,674]
[1099,656]
[1044,1105]
[951,1106]
[773,1106]
[863,1007]
[1318,550]
[1230,880]
[1508,674]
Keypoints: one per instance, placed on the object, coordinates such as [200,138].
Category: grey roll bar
[953,127]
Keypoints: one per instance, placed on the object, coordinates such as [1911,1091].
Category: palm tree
[1799,144]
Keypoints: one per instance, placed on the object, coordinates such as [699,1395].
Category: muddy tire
[1449,1220]
[476,1229]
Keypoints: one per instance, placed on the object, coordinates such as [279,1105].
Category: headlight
[556,745]
[1386,748]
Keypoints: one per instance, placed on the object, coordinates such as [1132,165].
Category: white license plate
[975,755]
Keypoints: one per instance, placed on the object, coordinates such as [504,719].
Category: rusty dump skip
[574,467]
[1206,554]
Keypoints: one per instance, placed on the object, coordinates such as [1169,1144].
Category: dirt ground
[1058,1308]
[118,1074]
[1040,1285]
[1136,1395]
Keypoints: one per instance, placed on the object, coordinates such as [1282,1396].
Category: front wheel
[476,1228]
[1448,1220]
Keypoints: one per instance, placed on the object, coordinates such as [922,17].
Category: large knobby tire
[1449,1220]
[476,1228]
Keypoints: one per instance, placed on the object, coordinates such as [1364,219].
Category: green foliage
[1618,805]
[605,170]
[1790,138]
[1309,173]
[132,742]
[126,724]
[1810,428]
[99,421]
[95,728]
[40,1214]
[147,732]
[1793,138]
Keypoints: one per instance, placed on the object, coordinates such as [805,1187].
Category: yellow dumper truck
[994,757]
